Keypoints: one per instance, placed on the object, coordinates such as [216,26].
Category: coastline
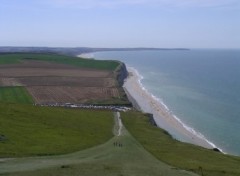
[86,56]
[164,118]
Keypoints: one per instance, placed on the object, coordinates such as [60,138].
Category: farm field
[43,68]
[69,60]
[63,94]
[58,81]
[9,59]
[55,82]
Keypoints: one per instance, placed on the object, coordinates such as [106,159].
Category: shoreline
[163,117]
[86,55]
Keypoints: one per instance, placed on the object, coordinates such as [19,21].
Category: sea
[201,87]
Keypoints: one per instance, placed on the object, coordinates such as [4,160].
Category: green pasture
[15,95]
[131,159]
[27,130]
[145,150]
[181,155]
[76,61]
[9,59]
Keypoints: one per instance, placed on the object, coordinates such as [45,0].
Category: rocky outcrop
[216,150]
[121,73]
[151,119]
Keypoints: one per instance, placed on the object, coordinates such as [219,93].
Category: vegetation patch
[15,95]
[9,58]
[179,154]
[108,159]
[37,131]
[76,61]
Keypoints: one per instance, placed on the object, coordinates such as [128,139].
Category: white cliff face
[121,74]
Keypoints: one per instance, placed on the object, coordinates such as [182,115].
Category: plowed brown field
[59,83]
[64,94]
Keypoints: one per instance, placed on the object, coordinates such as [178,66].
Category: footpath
[122,155]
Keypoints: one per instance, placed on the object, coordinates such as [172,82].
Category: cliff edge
[121,73]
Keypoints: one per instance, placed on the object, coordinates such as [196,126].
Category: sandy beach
[163,116]
[86,56]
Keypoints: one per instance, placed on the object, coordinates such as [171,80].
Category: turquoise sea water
[201,87]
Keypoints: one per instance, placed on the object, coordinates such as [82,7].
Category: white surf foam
[165,107]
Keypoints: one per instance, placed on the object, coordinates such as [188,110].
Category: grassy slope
[48,131]
[178,154]
[103,160]
[86,63]
[15,95]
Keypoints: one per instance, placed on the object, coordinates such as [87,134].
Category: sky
[121,23]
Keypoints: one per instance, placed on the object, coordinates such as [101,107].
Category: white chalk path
[120,125]
[118,130]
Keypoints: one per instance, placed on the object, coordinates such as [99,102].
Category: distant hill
[73,51]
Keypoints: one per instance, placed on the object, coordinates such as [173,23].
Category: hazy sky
[120,23]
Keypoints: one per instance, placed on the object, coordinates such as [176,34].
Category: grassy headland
[178,154]
[104,160]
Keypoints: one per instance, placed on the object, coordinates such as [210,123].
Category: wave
[186,127]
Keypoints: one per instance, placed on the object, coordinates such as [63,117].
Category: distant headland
[74,50]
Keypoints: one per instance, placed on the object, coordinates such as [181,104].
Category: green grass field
[34,131]
[76,61]
[104,160]
[9,59]
[132,158]
[15,95]
[178,154]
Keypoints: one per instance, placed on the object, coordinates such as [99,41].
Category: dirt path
[106,159]
[120,125]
